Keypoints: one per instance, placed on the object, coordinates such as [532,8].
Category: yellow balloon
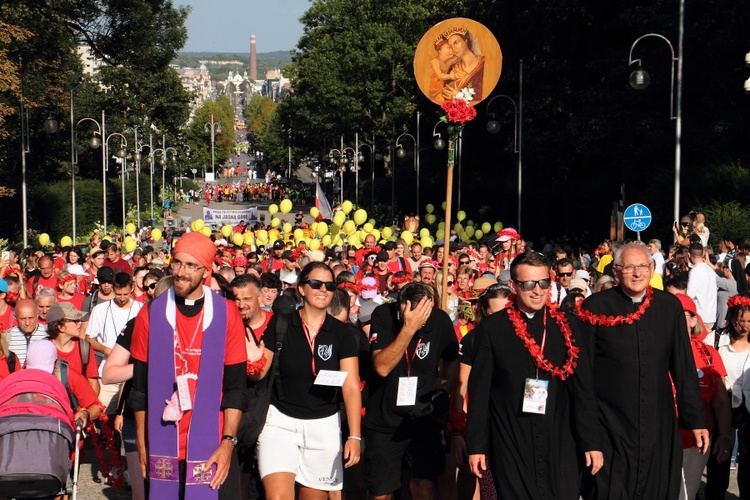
[275,222]
[360,217]
[430,218]
[387,232]
[198,224]
[156,234]
[262,236]
[314,212]
[273,208]
[107,238]
[469,222]
[440,234]
[314,244]
[354,240]
[486,228]
[66,241]
[287,227]
[322,229]
[443,205]
[407,236]
[430,208]
[498,227]
[326,240]
[458,228]
[130,246]
[346,207]
[206,230]
[226,230]
[298,234]
[248,239]
[376,233]
[334,229]
[285,206]
[368,228]
[461,215]
[427,242]
[469,231]
[339,218]
[238,239]
[129,227]
[441,224]
[478,234]
[349,227]
[464,237]
[424,232]
[44,239]
[337,241]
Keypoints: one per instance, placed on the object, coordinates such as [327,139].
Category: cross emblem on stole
[163,468]
[200,475]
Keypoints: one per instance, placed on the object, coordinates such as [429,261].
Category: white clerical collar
[639,299]
[529,315]
[191,302]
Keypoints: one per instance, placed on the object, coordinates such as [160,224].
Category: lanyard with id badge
[331,378]
[407,386]
[535,390]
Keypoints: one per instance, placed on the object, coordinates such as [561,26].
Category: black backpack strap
[62,375]
[12,361]
[84,348]
[282,323]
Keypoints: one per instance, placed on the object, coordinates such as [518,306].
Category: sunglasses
[567,275]
[317,284]
[529,285]
[463,262]
[450,283]
[152,286]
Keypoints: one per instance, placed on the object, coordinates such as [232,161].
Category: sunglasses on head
[529,285]
[317,284]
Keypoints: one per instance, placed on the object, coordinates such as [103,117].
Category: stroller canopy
[35,392]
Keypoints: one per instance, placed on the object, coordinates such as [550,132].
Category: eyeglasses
[529,285]
[685,224]
[450,283]
[630,268]
[150,286]
[190,267]
[565,275]
[317,284]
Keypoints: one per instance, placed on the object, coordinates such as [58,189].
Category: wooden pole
[447,229]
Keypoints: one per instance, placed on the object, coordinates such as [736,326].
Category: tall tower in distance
[253,61]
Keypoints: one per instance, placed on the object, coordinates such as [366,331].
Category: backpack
[12,361]
[258,395]
[61,372]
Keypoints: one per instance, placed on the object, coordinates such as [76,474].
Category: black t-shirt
[303,399]
[466,348]
[435,341]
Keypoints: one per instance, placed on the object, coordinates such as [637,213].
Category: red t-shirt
[7,320]
[143,298]
[121,266]
[76,300]
[191,338]
[73,357]
[258,332]
[395,266]
[81,389]
[710,370]
[43,282]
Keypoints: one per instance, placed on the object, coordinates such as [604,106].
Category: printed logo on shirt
[423,350]
[325,351]
[373,337]
[460,349]
[331,480]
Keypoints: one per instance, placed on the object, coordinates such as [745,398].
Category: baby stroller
[37,435]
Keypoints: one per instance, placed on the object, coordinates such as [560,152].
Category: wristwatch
[232,439]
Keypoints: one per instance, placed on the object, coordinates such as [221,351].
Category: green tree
[199,138]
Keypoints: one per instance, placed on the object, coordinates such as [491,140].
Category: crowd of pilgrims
[709,277]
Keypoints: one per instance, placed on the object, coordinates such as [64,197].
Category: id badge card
[407,391]
[331,378]
[183,393]
[535,396]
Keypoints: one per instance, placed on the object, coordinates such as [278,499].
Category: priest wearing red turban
[186,430]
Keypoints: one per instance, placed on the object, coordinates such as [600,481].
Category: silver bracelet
[355,437]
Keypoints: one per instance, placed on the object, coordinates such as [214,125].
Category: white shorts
[108,397]
[310,449]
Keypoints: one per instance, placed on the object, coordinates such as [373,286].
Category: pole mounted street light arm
[400,151]
[640,79]
[493,125]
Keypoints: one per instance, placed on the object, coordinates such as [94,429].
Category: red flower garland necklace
[536,352]
[603,320]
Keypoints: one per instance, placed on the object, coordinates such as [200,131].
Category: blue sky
[226,25]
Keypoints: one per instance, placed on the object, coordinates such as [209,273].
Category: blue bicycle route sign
[637,217]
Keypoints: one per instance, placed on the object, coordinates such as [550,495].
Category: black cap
[105,274]
[104,245]
[382,256]
[287,255]
[330,253]
[389,245]
[278,244]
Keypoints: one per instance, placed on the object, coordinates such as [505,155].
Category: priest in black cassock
[640,341]
[528,376]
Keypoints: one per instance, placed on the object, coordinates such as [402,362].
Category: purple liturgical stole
[203,434]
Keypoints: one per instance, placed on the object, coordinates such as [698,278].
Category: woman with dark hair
[736,358]
[301,440]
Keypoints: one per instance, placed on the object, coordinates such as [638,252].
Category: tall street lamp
[401,153]
[214,128]
[163,163]
[336,164]
[122,155]
[493,127]
[640,79]
[50,126]
[361,159]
